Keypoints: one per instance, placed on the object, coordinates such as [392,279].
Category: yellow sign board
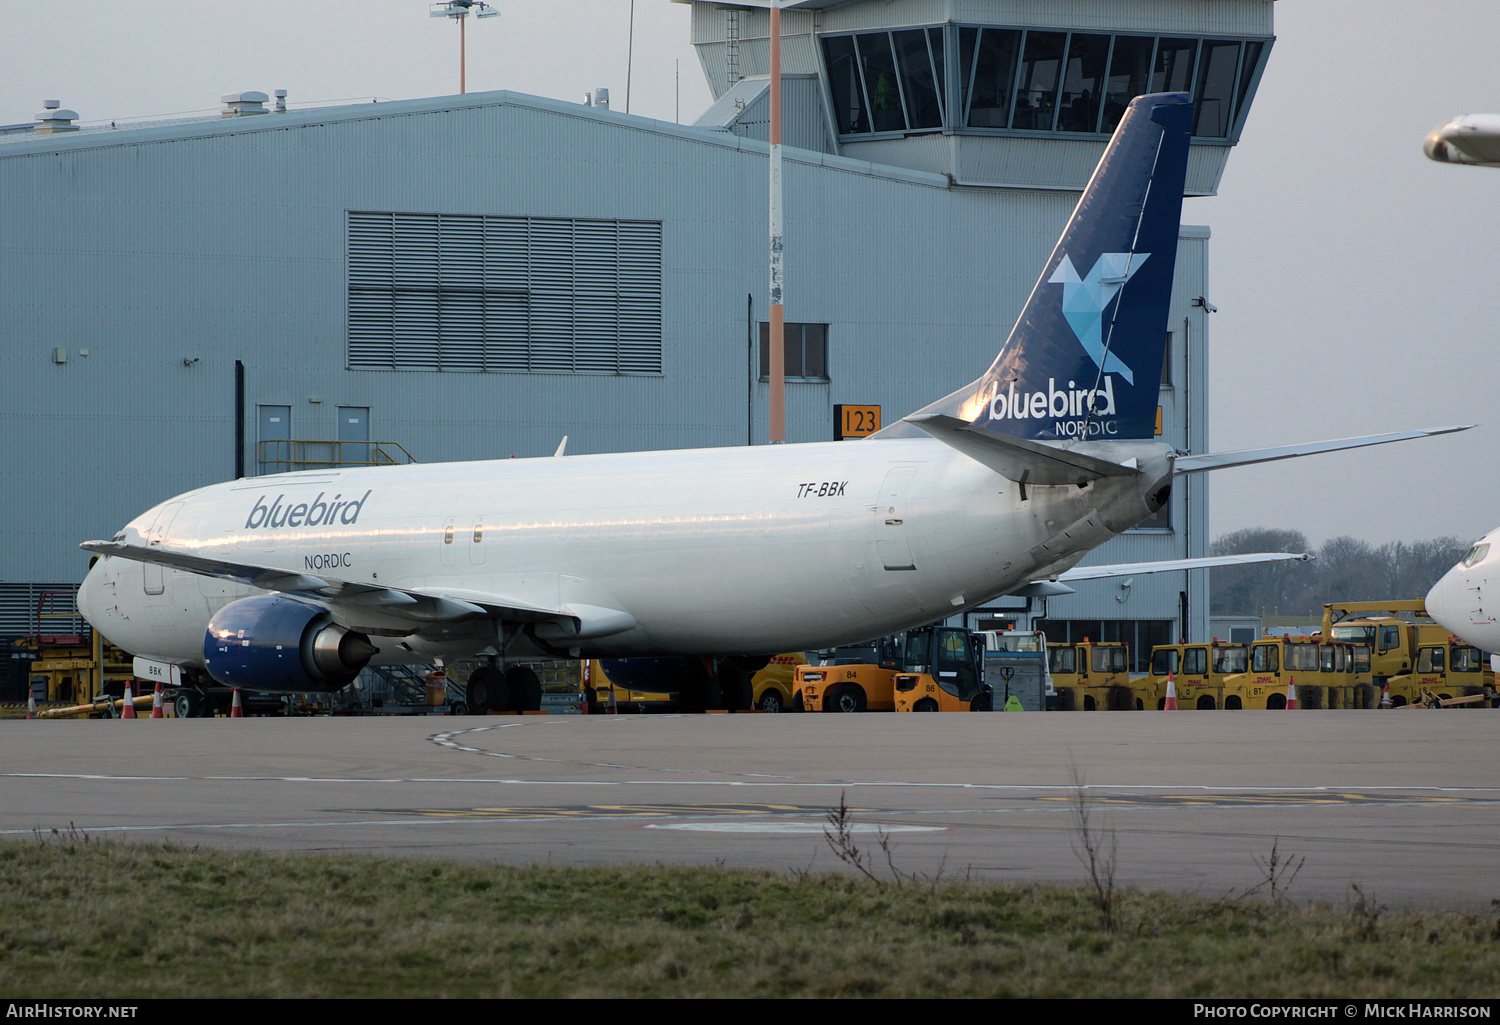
[855,421]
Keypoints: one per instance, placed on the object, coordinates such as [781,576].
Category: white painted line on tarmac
[1023,788]
[809,828]
[46,831]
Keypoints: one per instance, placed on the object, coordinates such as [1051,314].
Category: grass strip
[84,918]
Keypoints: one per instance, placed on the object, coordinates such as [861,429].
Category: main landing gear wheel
[487,691]
[525,689]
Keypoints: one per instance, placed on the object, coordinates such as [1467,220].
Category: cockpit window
[1476,554]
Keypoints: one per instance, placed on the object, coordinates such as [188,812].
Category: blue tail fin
[1084,359]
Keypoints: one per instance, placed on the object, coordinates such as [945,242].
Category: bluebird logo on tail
[1084,300]
[1085,356]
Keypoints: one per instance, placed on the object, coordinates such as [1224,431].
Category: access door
[891,512]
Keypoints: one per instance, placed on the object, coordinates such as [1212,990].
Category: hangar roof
[94,137]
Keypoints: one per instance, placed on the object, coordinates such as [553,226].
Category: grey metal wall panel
[927,152]
[1188,16]
[875,14]
[804,123]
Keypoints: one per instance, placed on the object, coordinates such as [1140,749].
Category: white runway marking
[777,782]
[810,828]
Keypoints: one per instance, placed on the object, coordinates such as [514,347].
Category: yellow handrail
[287,454]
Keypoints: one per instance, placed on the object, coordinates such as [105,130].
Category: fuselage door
[890,519]
[151,572]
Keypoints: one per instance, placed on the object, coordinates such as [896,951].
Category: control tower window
[881,87]
[846,85]
[988,73]
[1036,91]
[1012,80]
[1083,83]
[916,61]
[1129,73]
[1173,72]
[1215,93]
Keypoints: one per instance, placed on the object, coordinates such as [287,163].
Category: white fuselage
[1466,600]
[711,551]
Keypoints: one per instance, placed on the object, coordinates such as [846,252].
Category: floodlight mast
[459,10]
[776,333]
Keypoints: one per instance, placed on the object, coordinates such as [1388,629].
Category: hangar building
[476,276]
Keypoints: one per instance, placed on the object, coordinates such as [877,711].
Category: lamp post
[777,338]
[459,10]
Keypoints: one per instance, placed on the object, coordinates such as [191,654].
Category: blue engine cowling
[274,643]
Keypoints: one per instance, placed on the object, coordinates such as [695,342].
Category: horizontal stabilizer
[1126,569]
[1220,460]
[1026,462]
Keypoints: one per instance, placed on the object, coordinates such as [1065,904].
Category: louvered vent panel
[474,294]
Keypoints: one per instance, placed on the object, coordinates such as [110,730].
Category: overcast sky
[1355,278]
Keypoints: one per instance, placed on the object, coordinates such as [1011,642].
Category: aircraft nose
[88,593]
[1443,600]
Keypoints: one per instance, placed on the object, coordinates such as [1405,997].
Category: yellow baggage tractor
[1445,667]
[1199,671]
[1089,676]
[1323,672]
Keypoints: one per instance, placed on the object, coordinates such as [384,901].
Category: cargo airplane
[295,582]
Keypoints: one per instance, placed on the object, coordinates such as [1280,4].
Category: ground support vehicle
[1445,670]
[944,672]
[775,686]
[854,678]
[1198,670]
[1325,674]
[1391,640]
[1089,676]
[658,685]
[1408,651]
[75,671]
[863,677]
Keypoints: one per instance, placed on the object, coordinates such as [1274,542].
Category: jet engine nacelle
[274,643]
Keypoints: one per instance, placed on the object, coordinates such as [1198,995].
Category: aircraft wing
[366,603]
[1219,460]
[1026,462]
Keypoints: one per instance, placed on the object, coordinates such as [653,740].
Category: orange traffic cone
[236,712]
[128,712]
[1291,692]
[31,705]
[1171,703]
[1385,697]
[157,712]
